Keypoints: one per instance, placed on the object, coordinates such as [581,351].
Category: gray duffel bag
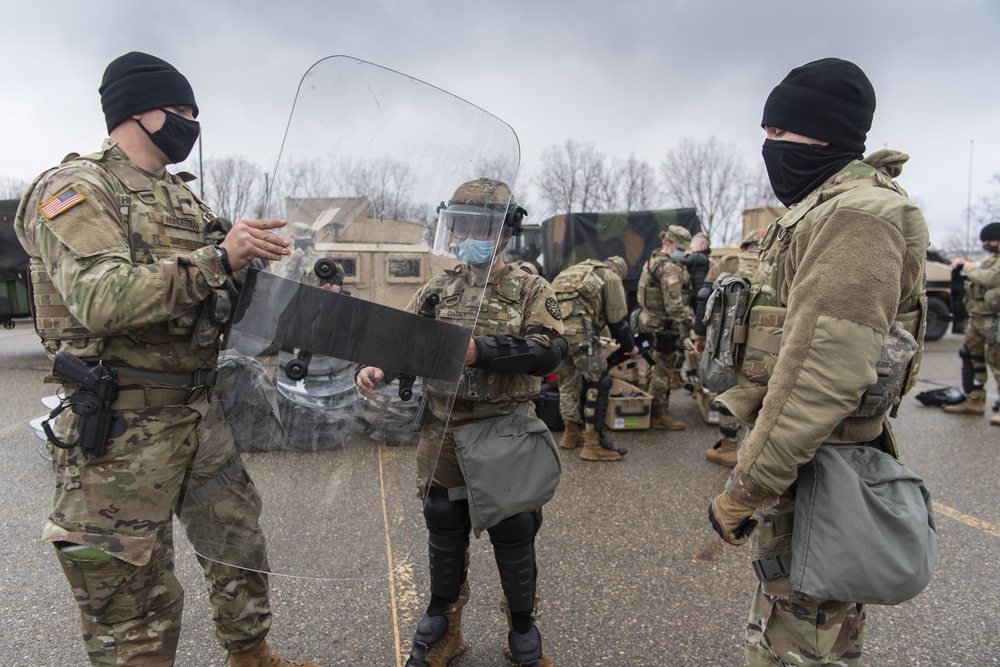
[510,464]
[864,528]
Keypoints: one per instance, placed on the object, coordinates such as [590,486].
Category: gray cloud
[633,77]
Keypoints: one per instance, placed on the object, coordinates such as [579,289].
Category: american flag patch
[63,201]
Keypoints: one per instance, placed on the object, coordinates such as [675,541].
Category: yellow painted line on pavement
[984,526]
[10,429]
[392,567]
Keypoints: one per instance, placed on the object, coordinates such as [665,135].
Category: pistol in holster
[97,389]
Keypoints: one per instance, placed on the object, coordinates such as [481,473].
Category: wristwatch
[224,258]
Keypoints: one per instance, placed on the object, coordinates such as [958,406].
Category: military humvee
[945,288]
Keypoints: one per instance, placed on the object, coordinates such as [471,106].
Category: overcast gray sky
[629,76]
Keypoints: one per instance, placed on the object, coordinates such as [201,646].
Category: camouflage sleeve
[830,343]
[615,304]
[85,251]
[541,309]
[987,276]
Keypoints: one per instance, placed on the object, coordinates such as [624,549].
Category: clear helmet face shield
[367,157]
[471,232]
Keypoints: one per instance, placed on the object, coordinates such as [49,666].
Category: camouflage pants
[660,376]
[786,628]
[111,524]
[981,341]
[572,371]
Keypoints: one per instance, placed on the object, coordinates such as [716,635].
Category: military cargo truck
[566,239]
[13,268]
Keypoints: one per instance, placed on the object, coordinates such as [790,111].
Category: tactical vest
[498,310]
[650,296]
[580,289]
[162,222]
[757,350]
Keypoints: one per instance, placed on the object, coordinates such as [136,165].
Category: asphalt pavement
[630,571]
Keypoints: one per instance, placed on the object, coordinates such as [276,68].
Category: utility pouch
[892,370]
[665,341]
[511,465]
[864,528]
[725,317]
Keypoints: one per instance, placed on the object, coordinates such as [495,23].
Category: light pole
[968,207]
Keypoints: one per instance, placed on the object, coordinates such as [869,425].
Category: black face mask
[177,136]
[992,249]
[796,169]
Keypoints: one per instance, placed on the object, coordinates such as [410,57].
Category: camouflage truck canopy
[634,235]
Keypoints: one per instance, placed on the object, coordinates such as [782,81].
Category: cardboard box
[704,398]
[630,412]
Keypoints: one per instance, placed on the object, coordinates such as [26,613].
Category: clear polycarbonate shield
[368,158]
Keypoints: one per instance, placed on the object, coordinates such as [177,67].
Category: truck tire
[938,317]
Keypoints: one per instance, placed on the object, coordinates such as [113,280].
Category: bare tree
[387,184]
[709,177]
[988,208]
[12,188]
[757,192]
[572,178]
[637,185]
[234,186]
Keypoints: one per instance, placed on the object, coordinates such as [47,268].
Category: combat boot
[438,653]
[723,452]
[995,421]
[572,437]
[544,661]
[262,656]
[596,450]
[660,419]
[972,405]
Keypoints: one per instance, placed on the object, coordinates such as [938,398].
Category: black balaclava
[830,100]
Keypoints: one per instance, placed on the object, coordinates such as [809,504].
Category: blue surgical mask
[677,255]
[476,253]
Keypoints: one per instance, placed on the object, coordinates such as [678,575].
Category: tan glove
[731,519]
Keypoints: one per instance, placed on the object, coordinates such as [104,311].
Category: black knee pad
[443,516]
[516,530]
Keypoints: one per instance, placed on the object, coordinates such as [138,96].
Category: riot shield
[368,159]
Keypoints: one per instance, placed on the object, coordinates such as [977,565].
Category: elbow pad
[504,353]
[621,332]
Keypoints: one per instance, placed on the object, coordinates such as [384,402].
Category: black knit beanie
[990,232]
[831,100]
[137,82]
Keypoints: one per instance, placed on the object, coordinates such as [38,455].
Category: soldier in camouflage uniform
[591,296]
[666,313]
[982,334]
[840,287]
[123,272]
[516,341]
[742,265]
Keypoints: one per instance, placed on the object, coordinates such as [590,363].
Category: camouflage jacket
[840,274]
[983,278]
[117,255]
[591,292]
[663,295]
[513,302]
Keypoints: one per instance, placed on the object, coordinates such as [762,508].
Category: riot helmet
[480,217]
